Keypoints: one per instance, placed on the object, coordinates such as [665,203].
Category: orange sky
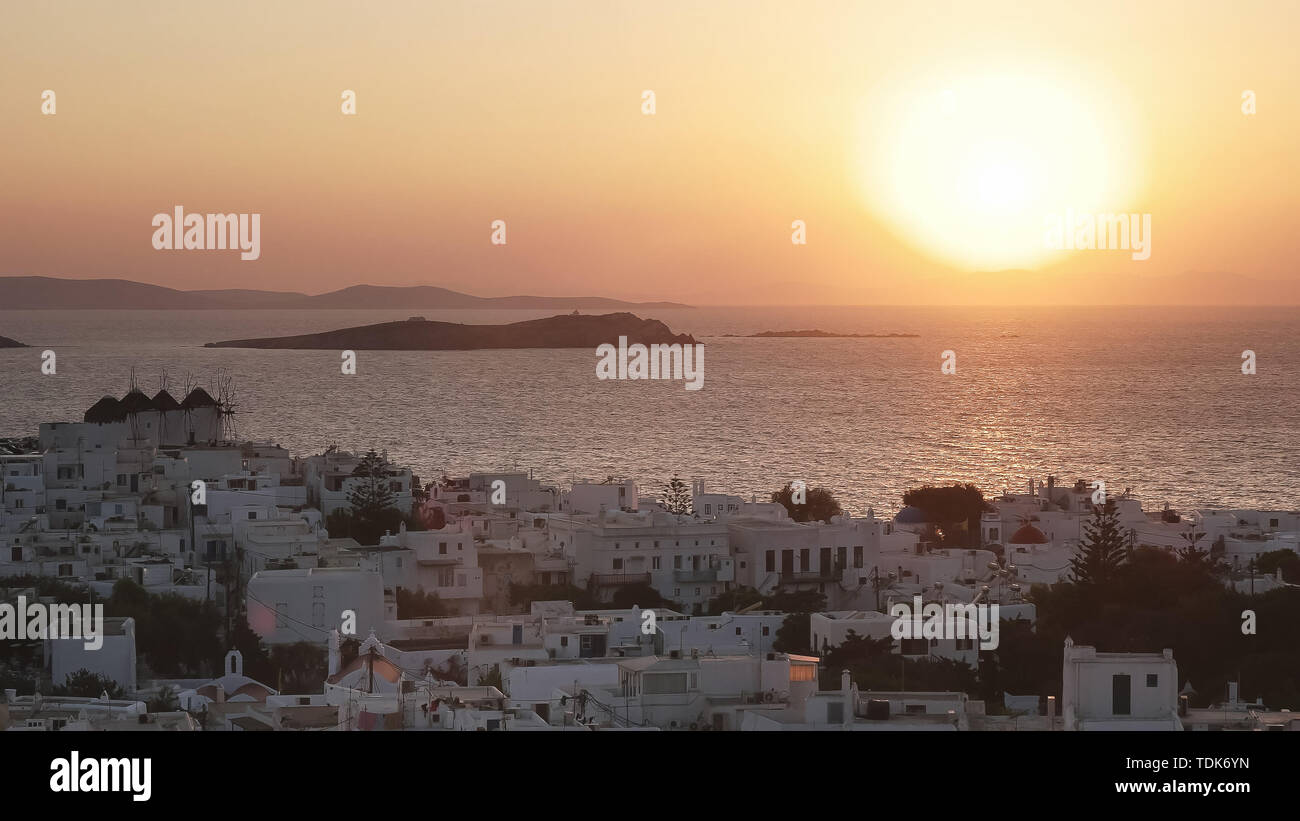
[530,112]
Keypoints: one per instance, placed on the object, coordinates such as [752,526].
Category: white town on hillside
[110,498]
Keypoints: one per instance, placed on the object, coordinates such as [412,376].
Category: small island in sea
[819,334]
[419,334]
[6,342]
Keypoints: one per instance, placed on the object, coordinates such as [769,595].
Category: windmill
[170,421]
[226,403]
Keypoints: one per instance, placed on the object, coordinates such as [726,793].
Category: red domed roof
[1028,534]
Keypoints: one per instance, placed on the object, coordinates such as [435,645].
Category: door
[1121,690]
[787,562]
[825,559]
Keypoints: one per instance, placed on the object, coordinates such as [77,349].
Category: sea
[1150,399]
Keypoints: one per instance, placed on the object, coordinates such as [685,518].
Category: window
[1272,522]
[677,562]
[766,629]
[318,592]
[857,555]
[564,641]
[803,560]
[993,534]
[318,614]
[252,514]
[460,580]
[737,631]
[771,561]
[1153,680]
[60,504]
[654,563]
[618,564]
[442,548]
[677,591]
[656,542]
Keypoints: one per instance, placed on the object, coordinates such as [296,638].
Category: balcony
[614,579]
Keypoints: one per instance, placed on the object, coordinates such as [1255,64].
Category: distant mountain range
[49,293]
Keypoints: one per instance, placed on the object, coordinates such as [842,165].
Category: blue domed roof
[912,516]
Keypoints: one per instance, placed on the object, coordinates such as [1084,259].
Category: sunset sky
[922,144]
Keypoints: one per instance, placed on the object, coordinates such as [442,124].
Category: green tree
[957,508]
[418,604]
[165,701]
[675,497]
[794,635]
[371,496]
[85,684]
[796,601]
[174,634]
[1104,548]
[1268,564]
[638,595]
[819,506]
[301,667]
[856,651]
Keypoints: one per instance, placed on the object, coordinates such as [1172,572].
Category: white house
[1119,691]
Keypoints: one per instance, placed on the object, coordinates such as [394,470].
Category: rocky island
[419,334]
[6,342]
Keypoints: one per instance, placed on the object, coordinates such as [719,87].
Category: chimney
[844,682]
[221,694]
[1051,712]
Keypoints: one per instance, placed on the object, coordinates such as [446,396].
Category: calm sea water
[1152,399]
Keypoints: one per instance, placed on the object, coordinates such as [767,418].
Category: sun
[969,167]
